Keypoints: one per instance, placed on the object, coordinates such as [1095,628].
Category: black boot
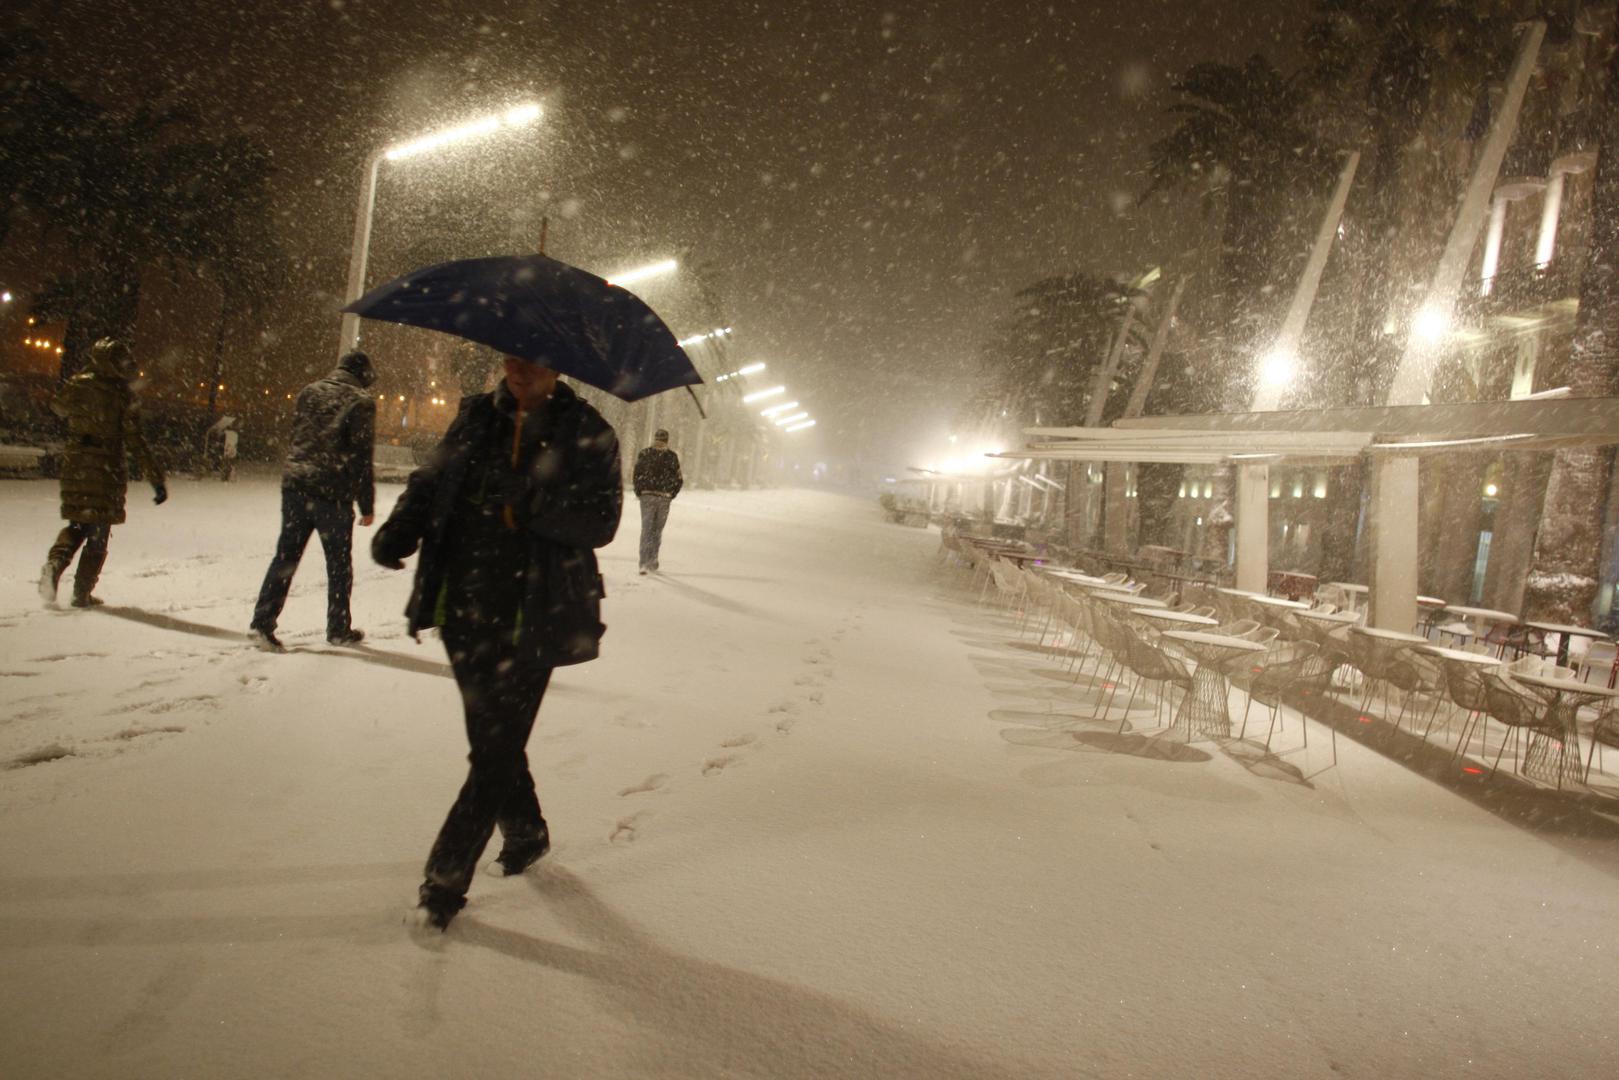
[437,907]
[516,857]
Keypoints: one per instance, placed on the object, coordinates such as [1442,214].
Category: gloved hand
[160,493]
[390,549]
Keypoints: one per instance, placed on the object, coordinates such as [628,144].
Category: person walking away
[328,470]
[507,512]
[657,481]
[227,466]
[103,428]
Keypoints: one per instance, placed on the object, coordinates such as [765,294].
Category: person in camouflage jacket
[103,429]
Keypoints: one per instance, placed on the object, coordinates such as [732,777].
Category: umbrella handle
[697,403]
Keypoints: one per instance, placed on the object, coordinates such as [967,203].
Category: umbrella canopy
[545,311]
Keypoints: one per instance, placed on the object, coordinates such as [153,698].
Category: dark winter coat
[568,496]
[103,427]
[333,435]
[657,472]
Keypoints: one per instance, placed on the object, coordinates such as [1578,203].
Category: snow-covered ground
[816,815]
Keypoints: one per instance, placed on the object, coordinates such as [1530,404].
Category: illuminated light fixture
[695,338]
[1491,490]
[1277,367]
[5,297]
[1430,325]
[516,116]
[641,273]
[751,369]
[774,409]
[801,427]
[783,421]
[760,395]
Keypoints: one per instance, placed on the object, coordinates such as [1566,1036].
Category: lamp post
[518,116]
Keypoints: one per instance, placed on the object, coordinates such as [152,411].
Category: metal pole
[349,337]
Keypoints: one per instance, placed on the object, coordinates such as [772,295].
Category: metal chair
[1516,709]
[1604,731]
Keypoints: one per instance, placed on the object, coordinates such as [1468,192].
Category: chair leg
[1272,729]
[1125,719]
[1245,707]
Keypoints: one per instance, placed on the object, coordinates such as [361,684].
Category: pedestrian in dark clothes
[328,470]
[523,486]
[657,482]
[103,428]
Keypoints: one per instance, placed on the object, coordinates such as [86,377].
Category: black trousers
[302,514]
[94,540]
[501,695]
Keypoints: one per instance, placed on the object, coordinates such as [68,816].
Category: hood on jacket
[109,358]
[359,365]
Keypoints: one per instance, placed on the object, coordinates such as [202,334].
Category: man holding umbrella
[524,486]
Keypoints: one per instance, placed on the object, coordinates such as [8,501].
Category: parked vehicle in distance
[393,463]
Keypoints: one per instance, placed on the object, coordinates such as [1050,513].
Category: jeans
[302,514]
[94,539]
[501,693]
[654,512]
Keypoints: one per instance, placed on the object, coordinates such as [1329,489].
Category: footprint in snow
[624,831]
[817,697]
[716,765]
[651,783]
[784,726]
[738,740]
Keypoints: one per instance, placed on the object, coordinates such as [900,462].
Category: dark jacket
[103,426]
[333,433]
[657,472]
[571,496]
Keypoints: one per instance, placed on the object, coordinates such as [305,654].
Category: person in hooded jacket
[525,484]
[103,428]
[327,471]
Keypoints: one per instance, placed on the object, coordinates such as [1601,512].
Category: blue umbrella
[542,310]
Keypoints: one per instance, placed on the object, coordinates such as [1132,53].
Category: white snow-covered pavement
[815,813]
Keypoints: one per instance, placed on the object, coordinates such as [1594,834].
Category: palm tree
[1566,566]
[1243,141]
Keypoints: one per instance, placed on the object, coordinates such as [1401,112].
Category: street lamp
[801,427]
[760,395]
[641,273]
[783,421]
[696,338]
[516,116]
[751,369]
[774,409]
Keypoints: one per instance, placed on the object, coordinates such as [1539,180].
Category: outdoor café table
[1476,617]
[1384,644]
[1461,655]
[1072,575]
[1113,596]
[1279,602]
[1563,633]
[1564,697]
[1206,710]
[1174,620]
[1356,593]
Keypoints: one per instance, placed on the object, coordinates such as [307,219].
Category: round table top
[1391,635]
[1126,598]
[1461,655]
[1431,601]
[1165,615]
[1277,601]
[1331,616]
[1349,586]
[1225,641]
[1561,628]
[1565,685]
[1073,575]
[1237,592]
[1482,613]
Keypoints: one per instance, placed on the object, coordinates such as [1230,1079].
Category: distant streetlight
[774,409]
[696,338]
[751,369]
[760,395]
[641,273]
[5,297]
[514,117]
[794,418]
[801,427]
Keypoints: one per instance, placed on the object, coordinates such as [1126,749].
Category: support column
[1391,520]
[1253,527]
